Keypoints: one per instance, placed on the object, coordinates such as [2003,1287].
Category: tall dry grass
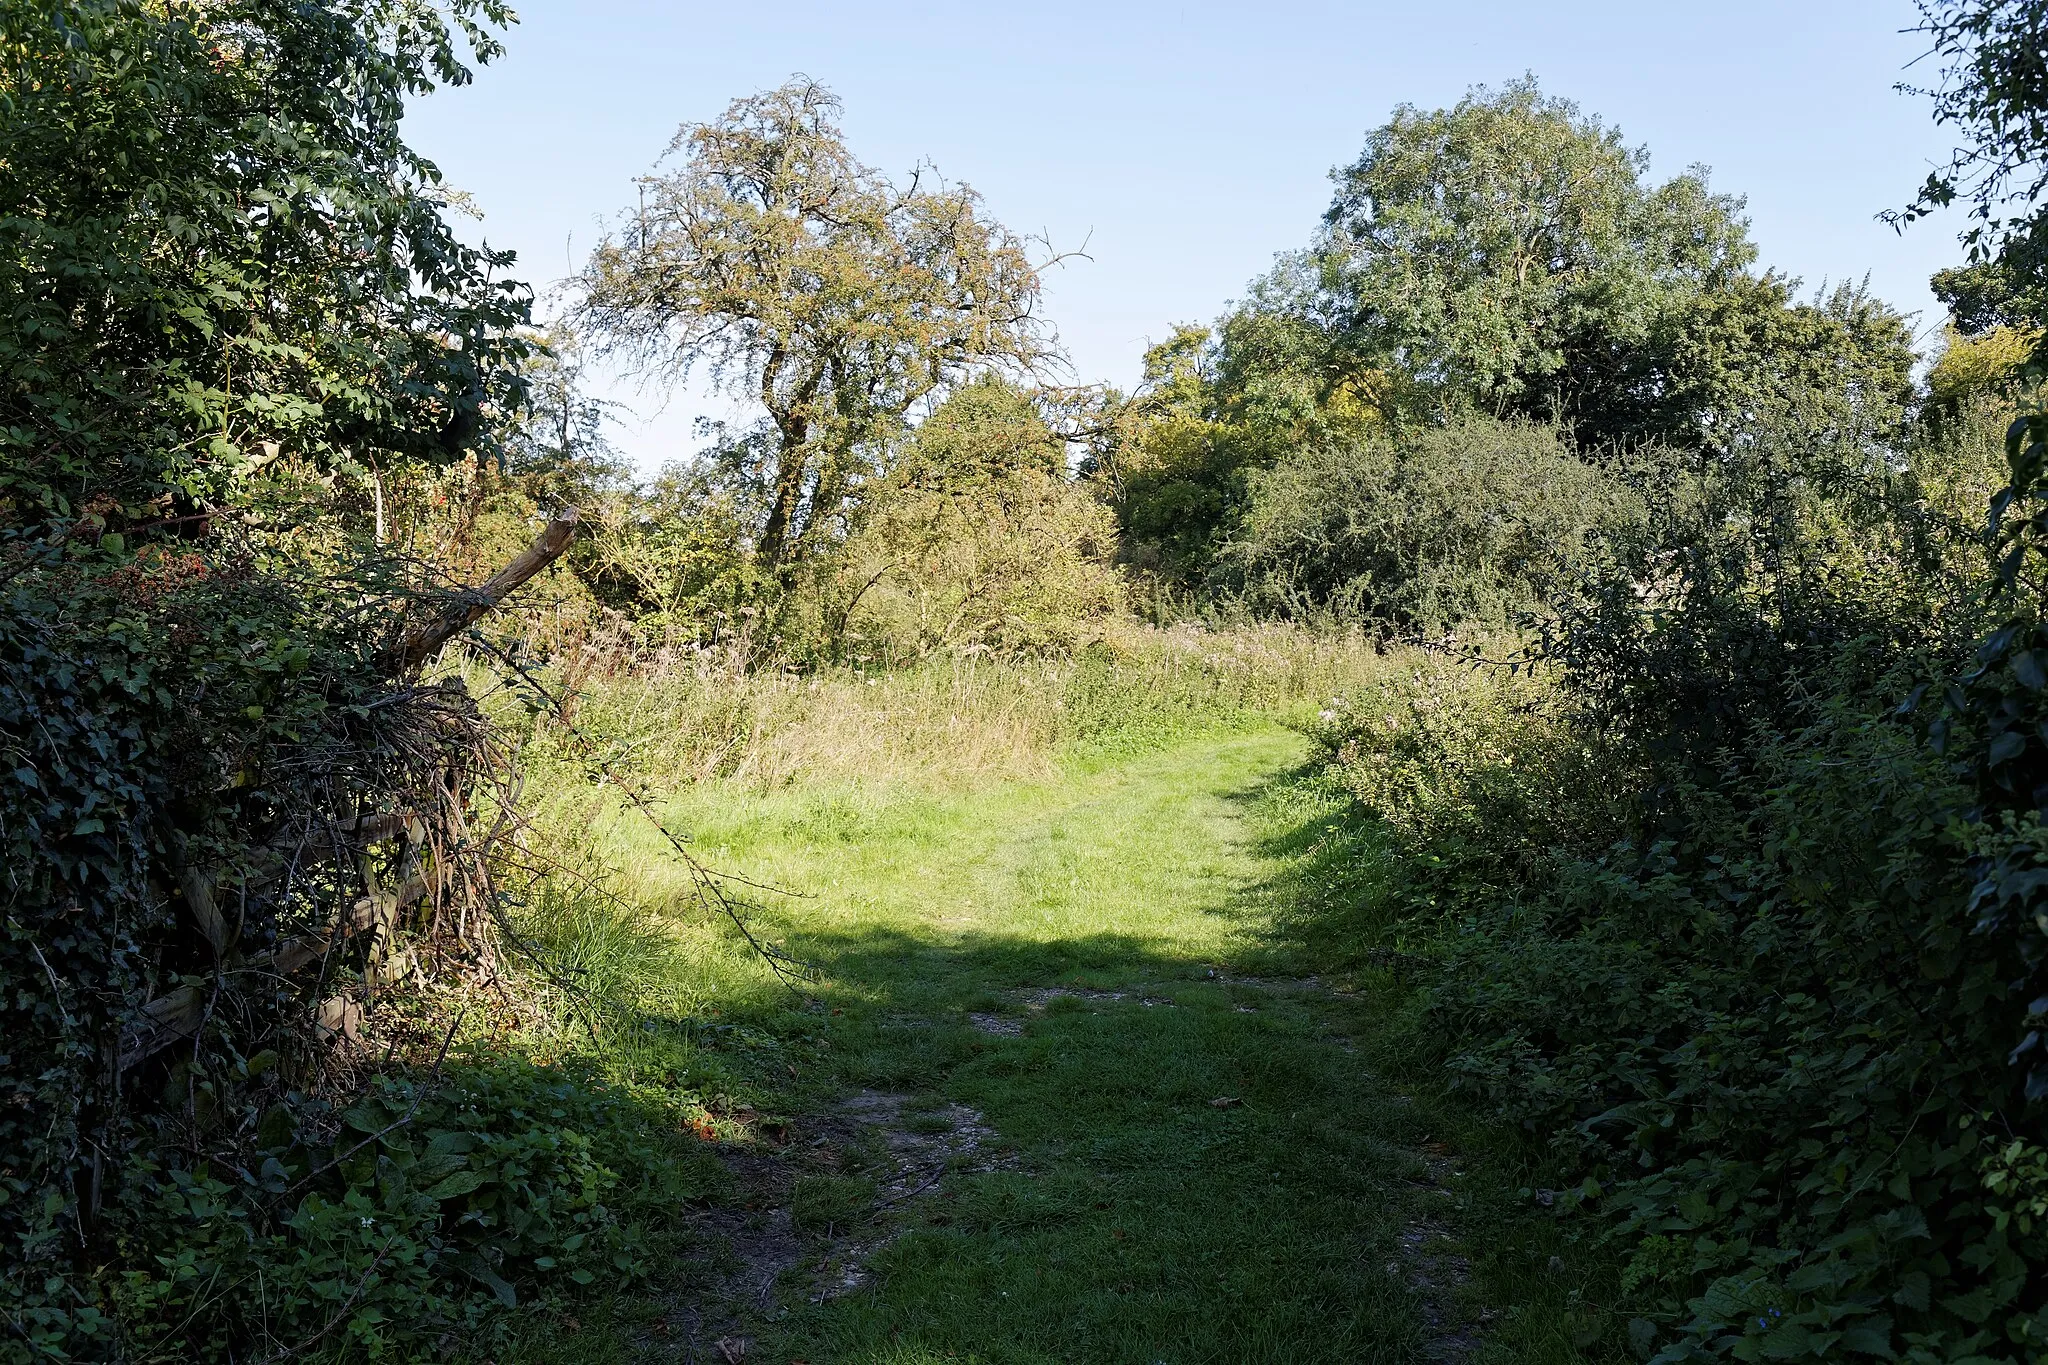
[730,758]
[959,718]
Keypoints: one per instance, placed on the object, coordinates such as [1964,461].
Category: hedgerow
[1731,898]
[233,811]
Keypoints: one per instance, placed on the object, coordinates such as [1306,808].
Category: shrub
[1712,916]
[1769,1038]
[1016,563]
[406,1220]
[1479,521]
[976,539]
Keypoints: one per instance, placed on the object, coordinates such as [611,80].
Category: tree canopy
[1507,257]
[1510,254]
[217,250]
[1507,252]
[807,281]
[1993,91]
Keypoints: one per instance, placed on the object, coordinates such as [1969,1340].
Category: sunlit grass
[1132,1220]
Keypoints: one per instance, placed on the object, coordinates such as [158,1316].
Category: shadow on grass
[1193,1160]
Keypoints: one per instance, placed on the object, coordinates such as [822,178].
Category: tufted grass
[1148,867]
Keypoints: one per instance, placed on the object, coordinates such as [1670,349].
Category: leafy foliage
[217,252]
[978,539]
[1505,252]
[409,1217]
[239,334]
[1475,522]
[806,281]
[1754,1012]
[1994,93]
[1711,914]
[1504,257]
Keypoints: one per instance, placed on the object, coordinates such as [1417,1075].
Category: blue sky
[1186,144]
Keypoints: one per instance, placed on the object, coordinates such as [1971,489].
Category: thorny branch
[707,886]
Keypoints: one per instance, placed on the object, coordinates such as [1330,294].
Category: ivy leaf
[2009,745]
[2026,666]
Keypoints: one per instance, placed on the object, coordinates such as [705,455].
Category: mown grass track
[1187,1155]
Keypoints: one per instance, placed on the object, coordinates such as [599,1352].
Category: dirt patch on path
[755,1250]
[1434,1269]
[923,1144]
[1035,999]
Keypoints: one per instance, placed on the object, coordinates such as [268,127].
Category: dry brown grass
[961,719]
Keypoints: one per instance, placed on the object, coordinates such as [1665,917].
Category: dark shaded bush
[1712,915]
[403,1222]
[232,320]
[1476,522]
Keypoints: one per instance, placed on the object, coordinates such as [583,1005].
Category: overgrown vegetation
[236,323]
[1681,788]
[1726,886]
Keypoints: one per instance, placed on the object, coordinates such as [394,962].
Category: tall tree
[1509,257]
[1507,249]
[1993,92]
[1509,253]
[812,284]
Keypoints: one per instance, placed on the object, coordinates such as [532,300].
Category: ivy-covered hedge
[232,313]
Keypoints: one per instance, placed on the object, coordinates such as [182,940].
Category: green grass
[1117,1214]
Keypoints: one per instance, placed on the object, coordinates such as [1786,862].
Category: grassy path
[1065,1101]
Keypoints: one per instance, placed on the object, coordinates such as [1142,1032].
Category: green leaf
[1791,1341]
[499,1285]
[1872,1338]
[1974,1306]
[2026,666]
[466,1181]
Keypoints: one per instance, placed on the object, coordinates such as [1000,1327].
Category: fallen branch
[470,605]
[177,1014]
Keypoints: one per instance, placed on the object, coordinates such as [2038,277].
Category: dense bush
[173,717]
[1713,915]
[1475,522]
[408,1218]
[237,334]
[977,539]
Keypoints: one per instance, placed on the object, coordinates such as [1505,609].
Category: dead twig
[707,886]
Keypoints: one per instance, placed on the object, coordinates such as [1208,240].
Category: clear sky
[1186,144]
